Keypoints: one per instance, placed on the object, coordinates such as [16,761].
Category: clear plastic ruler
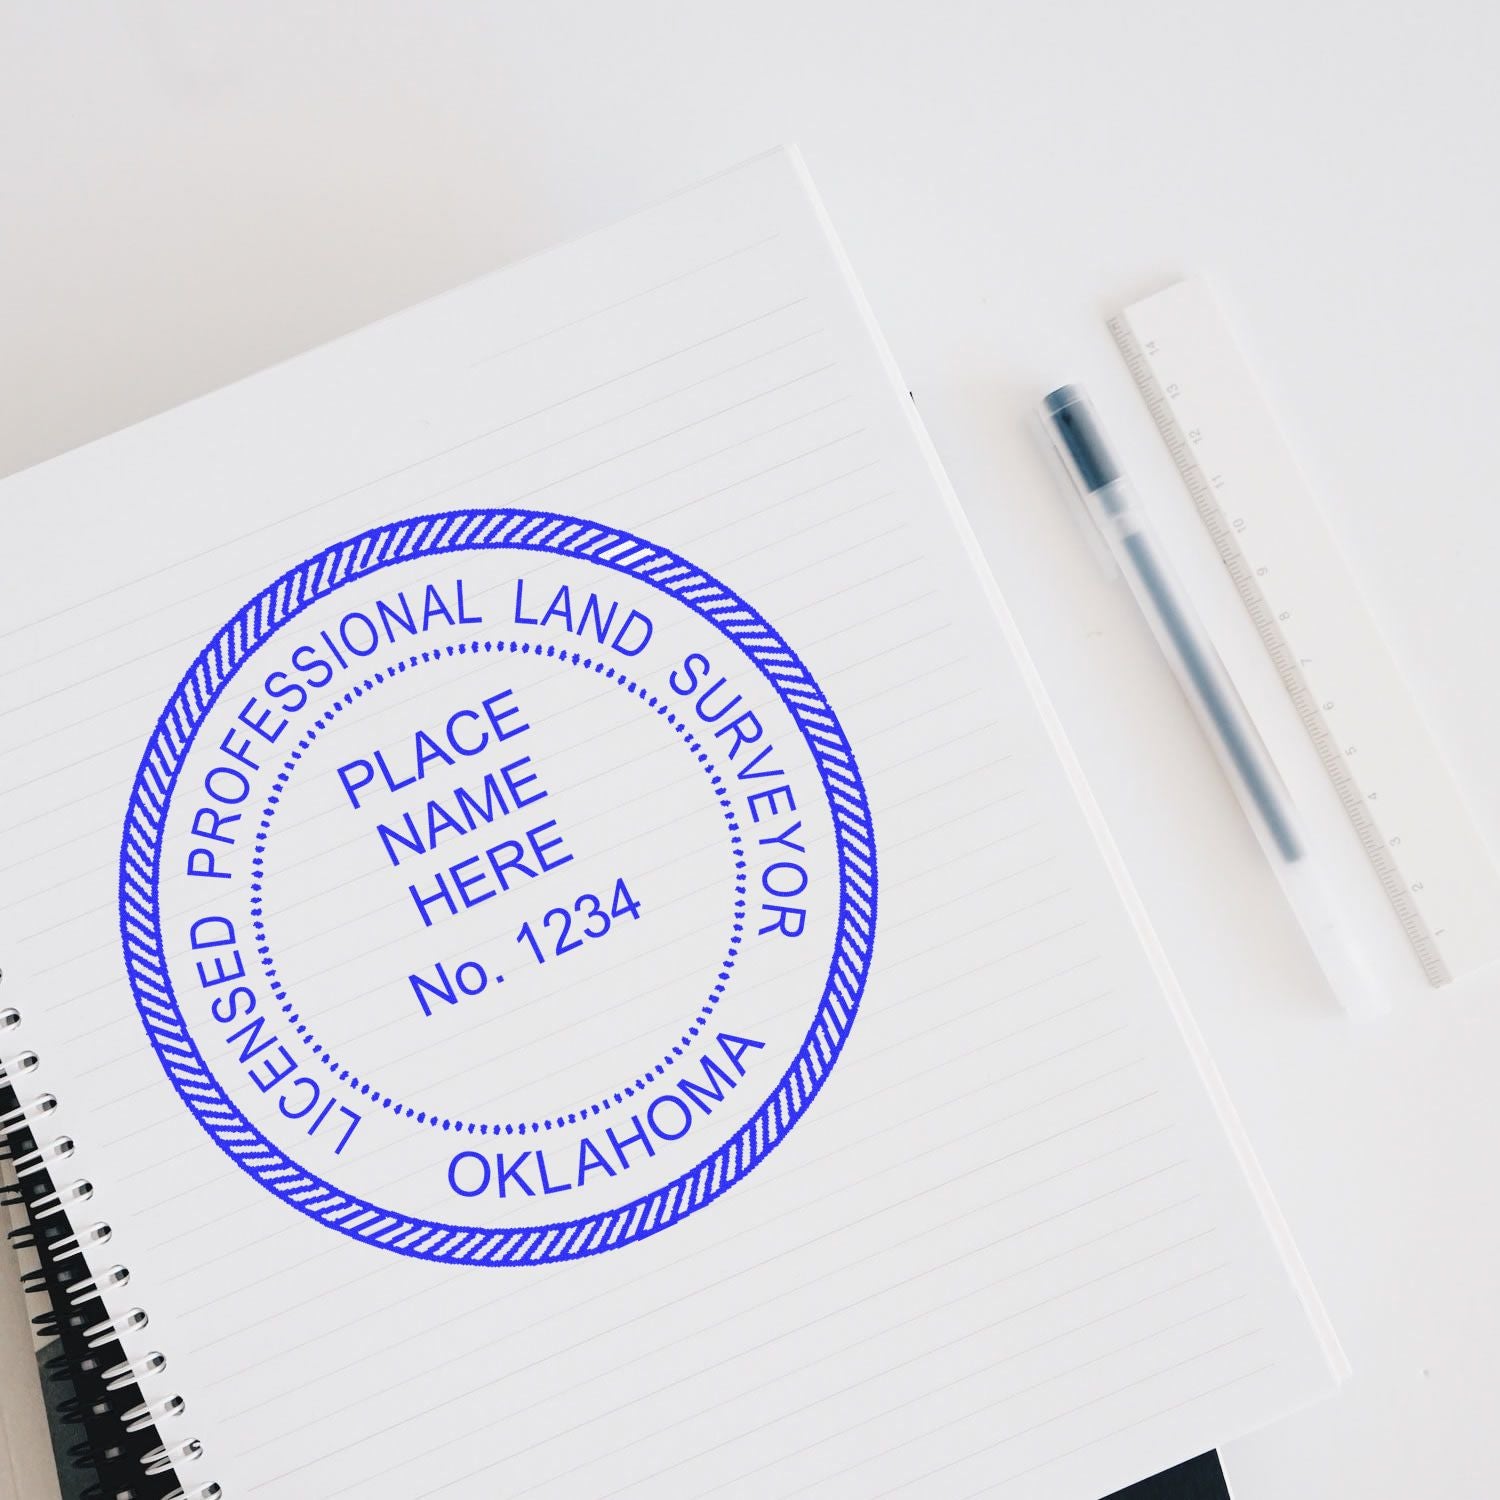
[1399,795]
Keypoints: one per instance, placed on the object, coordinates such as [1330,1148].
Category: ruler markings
[1205,486]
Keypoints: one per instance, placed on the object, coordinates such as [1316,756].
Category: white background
[189,192]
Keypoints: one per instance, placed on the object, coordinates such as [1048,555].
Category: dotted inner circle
[566,658]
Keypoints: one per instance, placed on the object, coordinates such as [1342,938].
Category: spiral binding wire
[100,1386]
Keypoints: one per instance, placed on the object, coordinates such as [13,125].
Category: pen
[1112,506]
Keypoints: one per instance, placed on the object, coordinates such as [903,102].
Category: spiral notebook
[553,945]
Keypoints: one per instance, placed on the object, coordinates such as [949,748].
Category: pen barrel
[1185,643]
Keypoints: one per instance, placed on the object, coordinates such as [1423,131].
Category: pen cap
[1066,477]
[1079,440]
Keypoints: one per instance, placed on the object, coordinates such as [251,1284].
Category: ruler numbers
[1340,679]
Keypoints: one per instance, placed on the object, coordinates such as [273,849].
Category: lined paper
[1014,1247]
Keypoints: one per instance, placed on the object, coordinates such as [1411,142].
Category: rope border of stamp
[455,532]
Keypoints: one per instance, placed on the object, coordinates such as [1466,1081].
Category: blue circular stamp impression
[497,888]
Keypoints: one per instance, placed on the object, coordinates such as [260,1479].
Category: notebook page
[990,1236]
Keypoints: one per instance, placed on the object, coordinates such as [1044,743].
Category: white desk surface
[193,192]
